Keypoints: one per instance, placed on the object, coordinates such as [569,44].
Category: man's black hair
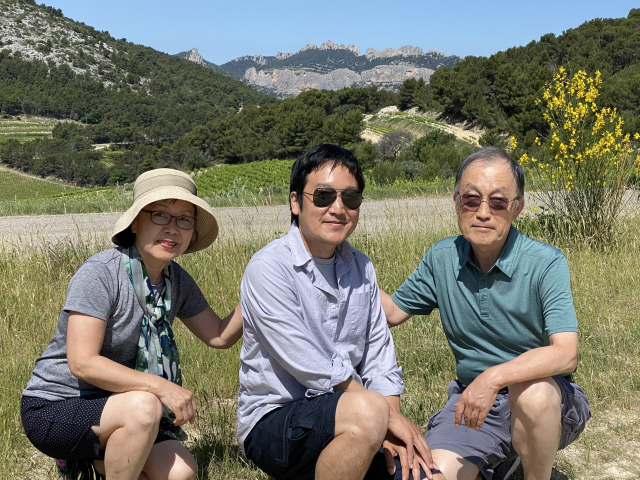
[316,158]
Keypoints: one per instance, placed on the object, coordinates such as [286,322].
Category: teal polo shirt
[491,318]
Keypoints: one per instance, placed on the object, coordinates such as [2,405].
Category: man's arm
[395,315]
[556,359]
[380,372]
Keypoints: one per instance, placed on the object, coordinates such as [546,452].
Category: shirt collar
[507,260]
[301,257]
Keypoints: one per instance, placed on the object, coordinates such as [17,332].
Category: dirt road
[235,222]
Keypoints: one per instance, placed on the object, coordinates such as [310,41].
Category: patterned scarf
[157,350]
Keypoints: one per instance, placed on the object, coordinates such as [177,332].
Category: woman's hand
[85,335]
[179,400]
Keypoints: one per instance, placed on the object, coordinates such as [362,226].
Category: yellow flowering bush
[587,162]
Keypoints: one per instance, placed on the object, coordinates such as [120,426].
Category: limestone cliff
[331,66]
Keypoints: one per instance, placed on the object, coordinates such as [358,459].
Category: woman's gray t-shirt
[101,288]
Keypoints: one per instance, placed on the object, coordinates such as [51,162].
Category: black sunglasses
[472,202]
[324,196]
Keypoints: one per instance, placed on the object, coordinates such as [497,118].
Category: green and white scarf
[157,350]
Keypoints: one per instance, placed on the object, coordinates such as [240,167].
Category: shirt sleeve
[417,295]
[86,291]
[378,368]
[558,311]
[271,308]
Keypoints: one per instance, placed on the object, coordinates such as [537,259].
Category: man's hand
[405,441]
[476,402]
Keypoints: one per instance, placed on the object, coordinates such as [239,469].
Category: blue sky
[224,30]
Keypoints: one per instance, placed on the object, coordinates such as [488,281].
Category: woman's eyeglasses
[324,196]
[184,222]
[472,202]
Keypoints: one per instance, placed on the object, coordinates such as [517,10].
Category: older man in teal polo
[507,312]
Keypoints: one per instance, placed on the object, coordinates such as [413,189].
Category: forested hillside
[500,91]
[159,109]
[55,67]
[288,127]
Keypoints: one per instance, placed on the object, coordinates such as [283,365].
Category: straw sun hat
[162,184]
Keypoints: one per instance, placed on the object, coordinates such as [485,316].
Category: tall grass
[604,283]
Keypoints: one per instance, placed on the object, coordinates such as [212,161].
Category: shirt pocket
[358,313]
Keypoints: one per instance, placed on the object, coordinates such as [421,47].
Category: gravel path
[236,223]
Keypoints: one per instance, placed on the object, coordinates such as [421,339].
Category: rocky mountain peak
[329,45]
[406,51]
[282,56]
[194,56]
[259,59]
[44,34]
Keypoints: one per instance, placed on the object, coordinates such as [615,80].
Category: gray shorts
[491,445]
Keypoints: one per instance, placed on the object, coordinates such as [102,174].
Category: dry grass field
[395,234]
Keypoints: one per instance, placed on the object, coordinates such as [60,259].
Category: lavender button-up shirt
[300,340]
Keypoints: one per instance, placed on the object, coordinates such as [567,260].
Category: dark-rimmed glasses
[325,196]
[472,202]
[185,222]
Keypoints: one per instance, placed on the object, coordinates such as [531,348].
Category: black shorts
[287,442]
[62,429]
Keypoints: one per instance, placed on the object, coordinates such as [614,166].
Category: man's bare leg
[362,418]
[453,466]
[536,425]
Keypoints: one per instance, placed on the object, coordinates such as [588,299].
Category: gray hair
[492,154]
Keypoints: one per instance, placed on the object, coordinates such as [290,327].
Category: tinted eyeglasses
[472,202]
[323,197]
[184,222]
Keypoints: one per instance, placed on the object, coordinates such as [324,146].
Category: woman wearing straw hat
[108,386]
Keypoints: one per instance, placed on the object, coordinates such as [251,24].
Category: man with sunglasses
[319,383]
[507,312]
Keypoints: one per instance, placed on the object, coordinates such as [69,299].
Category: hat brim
[205,231]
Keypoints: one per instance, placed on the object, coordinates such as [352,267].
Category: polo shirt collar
[508,257]
[301,257]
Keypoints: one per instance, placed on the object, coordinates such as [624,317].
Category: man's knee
[453,465]
[364,415]
[535,397]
